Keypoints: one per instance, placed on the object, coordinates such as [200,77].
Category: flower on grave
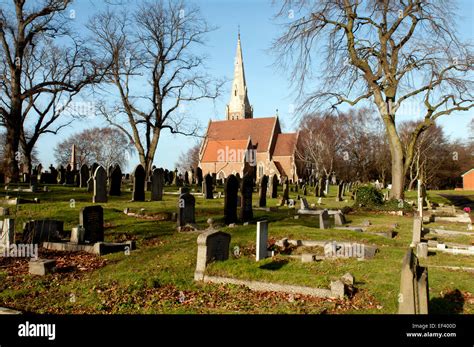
[182,297]
[237,251]
[467,209]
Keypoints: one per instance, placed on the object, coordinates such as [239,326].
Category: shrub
[368,196]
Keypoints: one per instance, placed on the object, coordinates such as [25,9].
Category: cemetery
[129,252]
[145,169]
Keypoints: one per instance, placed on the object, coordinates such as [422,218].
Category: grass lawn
[158,276]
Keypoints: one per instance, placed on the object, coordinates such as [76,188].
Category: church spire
[239,105]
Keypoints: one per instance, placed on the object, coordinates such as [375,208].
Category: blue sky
[269,88]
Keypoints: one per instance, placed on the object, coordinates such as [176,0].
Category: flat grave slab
[99,248]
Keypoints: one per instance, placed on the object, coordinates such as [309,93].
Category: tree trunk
[398,168]
[11,150]
[398,157]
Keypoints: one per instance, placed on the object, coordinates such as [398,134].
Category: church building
[242,142]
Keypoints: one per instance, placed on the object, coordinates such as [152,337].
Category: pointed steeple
[239,105]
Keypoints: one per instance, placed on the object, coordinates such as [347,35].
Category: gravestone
[321,187]
[339,192]
[304,204]
[413,297]
[316,189]
[157,185]
[91,218]
[417,229]
[186,178]
[212,246]
[262,239]
[262,198]
[305,192]
[339,218]
[231,190]
[324,220]
[139,183]
[273,189]
[286,193]
[100,185]
[207,187]
[326,187]
[115,188]
[7,234]
[37,231]
[93,168]
[199,178]
[186,205]
[246,190]
[90,185]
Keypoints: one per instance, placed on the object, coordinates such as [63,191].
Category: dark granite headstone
[262,198]
[246,190]
[100,185]
[157,185]
[92,220]
[139,183]
[186,205]
[115,185]
[231,190]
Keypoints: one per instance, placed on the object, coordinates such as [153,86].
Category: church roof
[225,150]
[260,131]
[285,144]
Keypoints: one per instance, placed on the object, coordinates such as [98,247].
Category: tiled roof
[285,144]
[225,151]
[259,129]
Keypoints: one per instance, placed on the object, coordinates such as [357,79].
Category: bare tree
[106,146]
[189,159]
[319,143]
[34,70]
[384,52]
[153,48]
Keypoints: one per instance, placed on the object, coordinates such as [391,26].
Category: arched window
[235,92]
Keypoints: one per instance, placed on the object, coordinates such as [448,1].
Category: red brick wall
[468,181]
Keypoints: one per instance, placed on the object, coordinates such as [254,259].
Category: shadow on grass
[274,265]
[451,303]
